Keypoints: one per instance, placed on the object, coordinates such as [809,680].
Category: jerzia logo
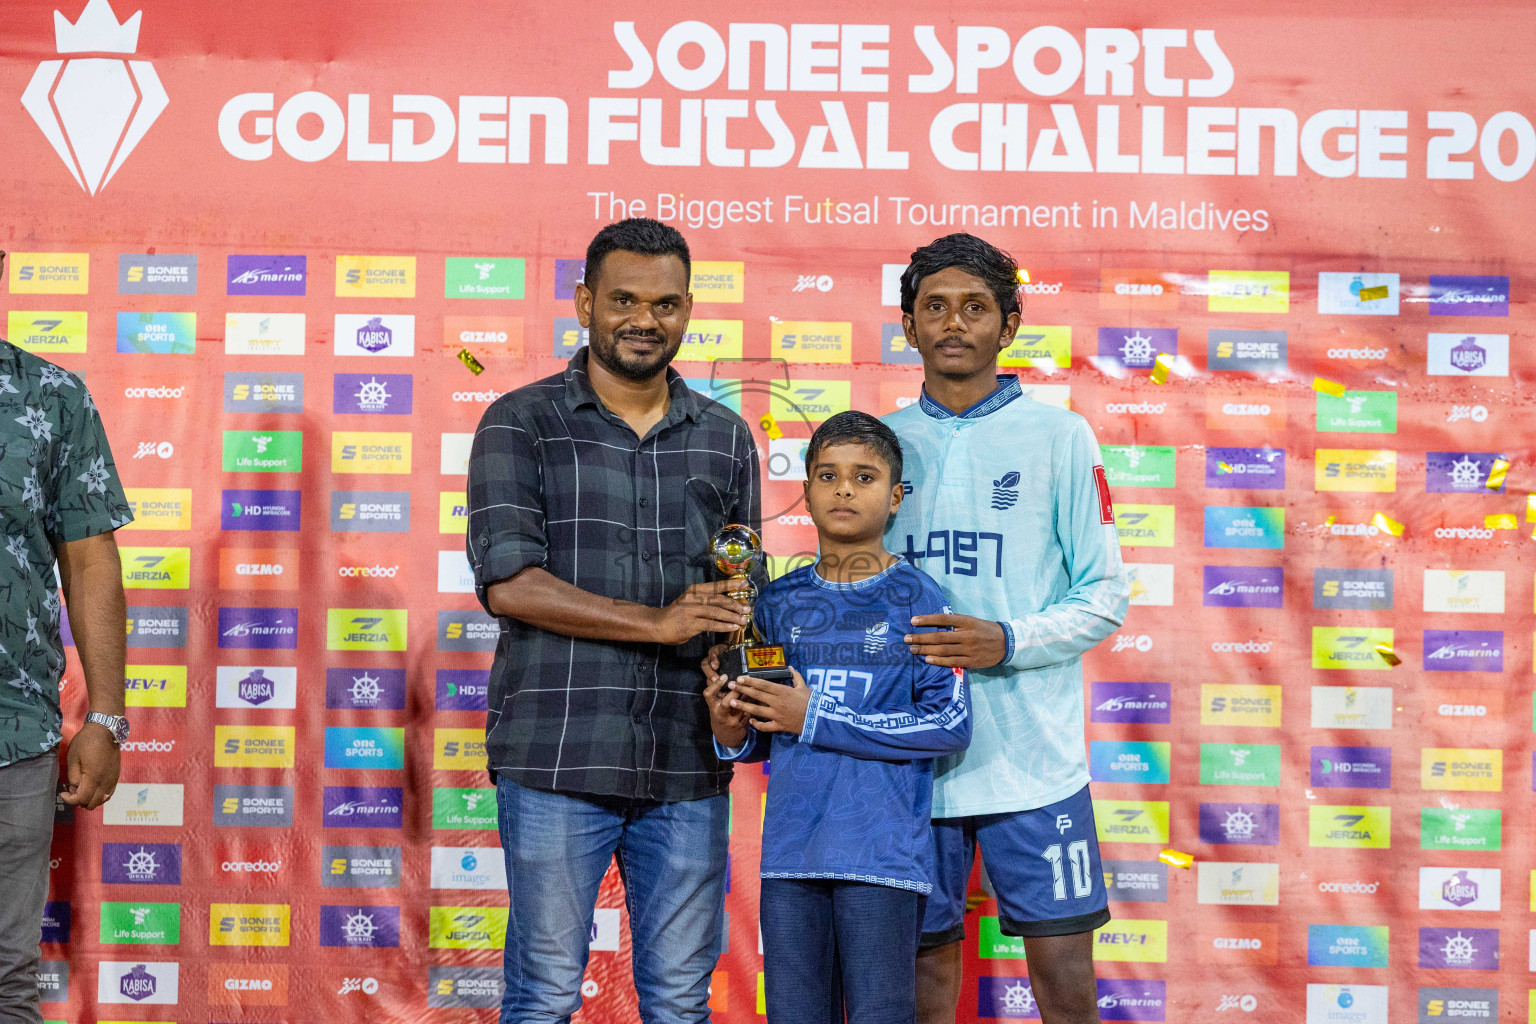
[94,110]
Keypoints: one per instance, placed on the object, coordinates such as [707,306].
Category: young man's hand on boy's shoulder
[967,642]
[773,707]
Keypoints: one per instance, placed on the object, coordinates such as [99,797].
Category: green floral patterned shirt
[57,483]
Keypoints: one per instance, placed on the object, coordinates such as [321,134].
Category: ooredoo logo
[94,110]
[347,572]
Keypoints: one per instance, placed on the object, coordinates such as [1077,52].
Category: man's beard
[630,366]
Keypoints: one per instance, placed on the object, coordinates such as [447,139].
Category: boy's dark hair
[637,234]
[857,428]
[971,254]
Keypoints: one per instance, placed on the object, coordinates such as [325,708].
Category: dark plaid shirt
[558,481]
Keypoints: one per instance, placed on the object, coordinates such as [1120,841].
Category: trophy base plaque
[760,661]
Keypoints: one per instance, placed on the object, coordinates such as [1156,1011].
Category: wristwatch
[117,725]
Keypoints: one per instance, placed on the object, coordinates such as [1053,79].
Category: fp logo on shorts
[1063,822]
[104,104]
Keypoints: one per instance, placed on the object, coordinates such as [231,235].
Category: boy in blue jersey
[846,844]
[1008,508]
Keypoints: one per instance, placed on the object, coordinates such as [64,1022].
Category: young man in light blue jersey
[1008,508]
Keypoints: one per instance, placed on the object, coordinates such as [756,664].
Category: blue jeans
[672,858]
[831,945]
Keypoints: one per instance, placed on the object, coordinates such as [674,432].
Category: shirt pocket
[704,508]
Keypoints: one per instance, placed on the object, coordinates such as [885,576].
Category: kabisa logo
[104,105]
[1005,491]
[1468,355]
[373,336]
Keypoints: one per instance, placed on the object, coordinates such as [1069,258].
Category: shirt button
[643,502]
[645,556]
[639,717]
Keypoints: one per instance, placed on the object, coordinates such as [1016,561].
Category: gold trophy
[737,550]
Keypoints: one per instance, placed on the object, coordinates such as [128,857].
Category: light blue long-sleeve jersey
[1007,508]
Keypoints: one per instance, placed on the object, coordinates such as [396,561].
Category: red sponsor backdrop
[1274,170]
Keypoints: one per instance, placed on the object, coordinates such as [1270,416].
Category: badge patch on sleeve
[1106,507]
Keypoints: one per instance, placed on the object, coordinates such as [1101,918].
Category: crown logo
[94,110]
[97,31]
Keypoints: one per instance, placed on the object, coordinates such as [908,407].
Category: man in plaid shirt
[593,497]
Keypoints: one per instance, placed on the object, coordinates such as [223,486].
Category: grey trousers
[27,791]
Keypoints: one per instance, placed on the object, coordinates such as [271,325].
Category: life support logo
[94,110]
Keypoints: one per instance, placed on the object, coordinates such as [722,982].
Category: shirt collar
[1008,388]
[685,403]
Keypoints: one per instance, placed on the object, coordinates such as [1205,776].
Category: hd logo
[365,629]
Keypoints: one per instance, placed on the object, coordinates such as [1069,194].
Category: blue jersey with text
[849,798]
[1008,509]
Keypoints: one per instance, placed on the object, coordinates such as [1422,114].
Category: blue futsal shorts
[1043,865]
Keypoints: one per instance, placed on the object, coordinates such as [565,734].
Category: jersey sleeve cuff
[1008,639]
[812,716]
[725,753]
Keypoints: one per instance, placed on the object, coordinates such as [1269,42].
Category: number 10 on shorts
[1077,857]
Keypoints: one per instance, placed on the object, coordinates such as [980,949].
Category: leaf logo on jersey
[1005,492]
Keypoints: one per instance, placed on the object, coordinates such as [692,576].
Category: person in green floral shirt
[60,500]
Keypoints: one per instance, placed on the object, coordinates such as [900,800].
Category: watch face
[122,730]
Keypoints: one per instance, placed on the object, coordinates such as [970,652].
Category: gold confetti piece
[1178,858]
[1497,473]
[1022,276]
[1224,467]
[1328,387]
[1388,655]
[1530,508]
[468,359]
[1499,521]
[770,427]
[1330,520]
[1160,367]
[1382,521]
[1381,291]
